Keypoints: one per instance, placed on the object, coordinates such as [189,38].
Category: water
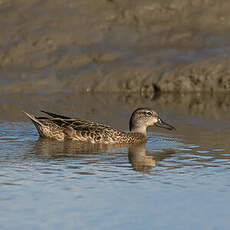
[178,180]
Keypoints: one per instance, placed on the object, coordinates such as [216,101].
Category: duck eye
[148,113]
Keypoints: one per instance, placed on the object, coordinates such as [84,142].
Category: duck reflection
[53,148]
[138,157]
[143,161]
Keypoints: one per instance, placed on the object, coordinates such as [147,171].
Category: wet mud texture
[115,46]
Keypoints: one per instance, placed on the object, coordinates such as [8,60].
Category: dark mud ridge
[115,46]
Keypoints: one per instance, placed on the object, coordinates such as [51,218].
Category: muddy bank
[114,46]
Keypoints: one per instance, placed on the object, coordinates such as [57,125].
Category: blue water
[174,182]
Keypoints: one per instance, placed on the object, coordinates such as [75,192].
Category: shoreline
[128,47]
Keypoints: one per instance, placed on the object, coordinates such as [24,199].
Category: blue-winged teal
[65,128]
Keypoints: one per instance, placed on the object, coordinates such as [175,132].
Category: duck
[63,128]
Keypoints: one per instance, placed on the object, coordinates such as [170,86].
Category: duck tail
[33,119]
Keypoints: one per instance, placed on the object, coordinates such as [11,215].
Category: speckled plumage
[64,128]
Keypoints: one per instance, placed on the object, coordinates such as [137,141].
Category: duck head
[143,117]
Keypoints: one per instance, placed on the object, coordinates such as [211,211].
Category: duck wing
[83,125]
[83,130]
[55,115]
[75,123]
[89,131]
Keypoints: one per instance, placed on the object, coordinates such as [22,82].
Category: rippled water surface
[178,180]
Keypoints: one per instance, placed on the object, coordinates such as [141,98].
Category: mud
[114,46]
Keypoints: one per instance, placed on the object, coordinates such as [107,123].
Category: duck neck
[136,129]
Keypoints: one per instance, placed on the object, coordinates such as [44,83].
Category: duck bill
[160,123]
